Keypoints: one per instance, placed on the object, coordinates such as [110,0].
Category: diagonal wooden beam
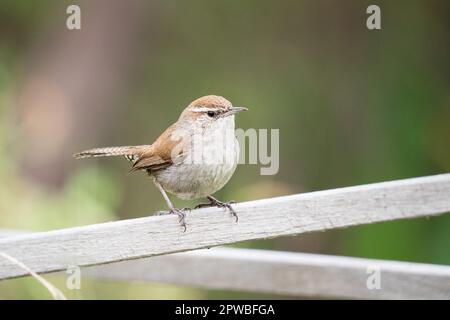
[283,216]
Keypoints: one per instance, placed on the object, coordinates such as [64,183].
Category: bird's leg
[213,202]
[172,209]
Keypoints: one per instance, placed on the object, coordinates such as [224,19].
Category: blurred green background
[353,106]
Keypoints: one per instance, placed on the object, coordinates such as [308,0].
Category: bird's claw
[179,212]
[216,203]
[227,205]
[203,205]
[181,216]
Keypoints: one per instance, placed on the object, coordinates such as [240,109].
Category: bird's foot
[180,212]
[181,216]
[216,203]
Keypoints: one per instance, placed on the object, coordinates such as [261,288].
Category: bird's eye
[211,114]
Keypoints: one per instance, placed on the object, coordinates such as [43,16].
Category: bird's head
[208,109]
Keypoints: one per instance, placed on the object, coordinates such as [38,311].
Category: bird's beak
[234,110]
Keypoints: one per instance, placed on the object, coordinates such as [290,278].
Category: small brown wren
[194,157]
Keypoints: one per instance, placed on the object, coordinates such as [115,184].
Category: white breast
[208,166]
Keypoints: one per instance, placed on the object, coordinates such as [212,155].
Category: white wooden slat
[289,215]
[286,273]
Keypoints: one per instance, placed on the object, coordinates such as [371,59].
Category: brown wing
[169,147]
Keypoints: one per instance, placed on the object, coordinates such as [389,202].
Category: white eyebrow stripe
[202,109]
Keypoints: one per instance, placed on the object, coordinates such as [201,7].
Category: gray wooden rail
[145,237]
[286,273]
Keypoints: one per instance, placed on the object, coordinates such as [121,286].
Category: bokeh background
[353,106]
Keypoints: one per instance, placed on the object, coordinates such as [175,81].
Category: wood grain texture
[282,216]
[286,273]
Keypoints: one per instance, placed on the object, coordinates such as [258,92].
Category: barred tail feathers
[127,151]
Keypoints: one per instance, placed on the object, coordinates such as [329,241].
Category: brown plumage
[159,154]
[168,159]
[144,157]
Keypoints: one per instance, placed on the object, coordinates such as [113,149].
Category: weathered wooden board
[282,216]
